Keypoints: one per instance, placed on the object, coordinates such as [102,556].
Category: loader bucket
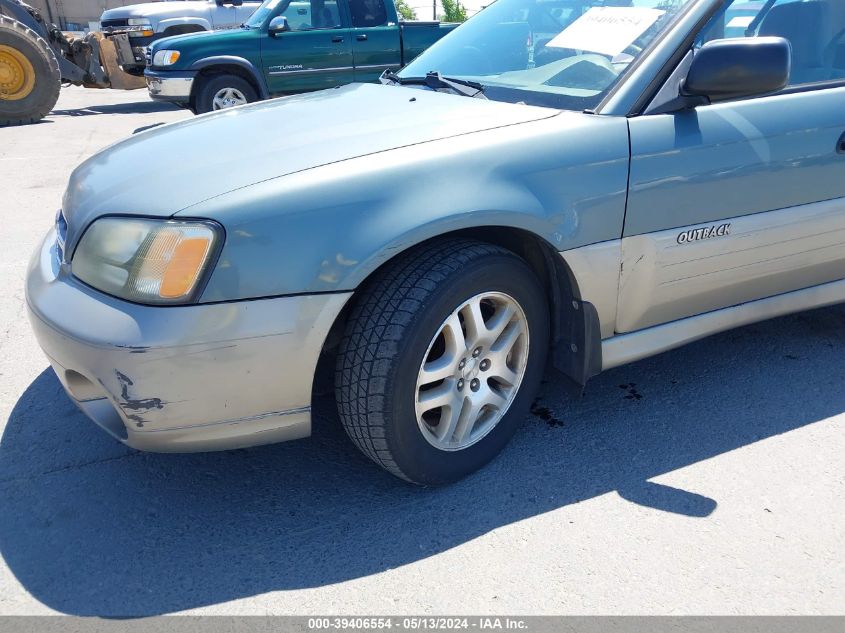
[118,79]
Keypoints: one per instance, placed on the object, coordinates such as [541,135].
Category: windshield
[267,8]
[558,53]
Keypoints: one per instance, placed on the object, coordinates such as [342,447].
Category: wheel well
[182,29]
[223,69]
[550,268]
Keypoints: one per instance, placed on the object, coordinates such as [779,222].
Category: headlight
[165,58]
[139,27]
[146,261]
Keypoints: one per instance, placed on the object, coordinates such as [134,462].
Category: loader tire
[29,75]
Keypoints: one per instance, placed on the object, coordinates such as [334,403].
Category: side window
[815,28]
[367,13]
[314,14]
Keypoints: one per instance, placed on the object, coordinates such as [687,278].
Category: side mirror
[735,68]
[278,25]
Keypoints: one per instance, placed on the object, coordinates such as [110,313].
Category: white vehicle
[148,22]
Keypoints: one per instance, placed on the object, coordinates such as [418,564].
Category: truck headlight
[165,58]
[139,27]
[146,261]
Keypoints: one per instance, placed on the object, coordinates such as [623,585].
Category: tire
[32,73]
[215,84]
[393,329]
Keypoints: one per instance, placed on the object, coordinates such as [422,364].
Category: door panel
[229,16]
[223,17]
[245,11]
[300,61]
[375,50]
[758,165]
[376,41]
[759,255]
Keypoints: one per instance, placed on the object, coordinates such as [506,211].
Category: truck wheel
[219,92]
[443,351]
[29,74]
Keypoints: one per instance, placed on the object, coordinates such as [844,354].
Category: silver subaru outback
[582,182]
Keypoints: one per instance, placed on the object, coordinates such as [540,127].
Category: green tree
[453,11]
[405,10]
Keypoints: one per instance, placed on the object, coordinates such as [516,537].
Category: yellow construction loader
[36,59]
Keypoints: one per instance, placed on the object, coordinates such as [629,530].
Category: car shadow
[89,527]
[139,107]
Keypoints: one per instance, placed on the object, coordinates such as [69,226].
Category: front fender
[234,60]
[326,229]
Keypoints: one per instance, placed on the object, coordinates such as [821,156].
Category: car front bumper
[172,86]
[181,378]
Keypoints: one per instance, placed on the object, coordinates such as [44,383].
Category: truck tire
[442,354]
[29,74]
[219,92]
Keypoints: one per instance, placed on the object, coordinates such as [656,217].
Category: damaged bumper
[181,378]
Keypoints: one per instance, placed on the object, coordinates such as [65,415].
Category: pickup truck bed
[419,35]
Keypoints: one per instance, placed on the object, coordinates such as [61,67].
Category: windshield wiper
[435,81]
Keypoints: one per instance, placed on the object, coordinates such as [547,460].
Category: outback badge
[694,235]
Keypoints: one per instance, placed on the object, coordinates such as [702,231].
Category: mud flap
[576,329]
[578,354]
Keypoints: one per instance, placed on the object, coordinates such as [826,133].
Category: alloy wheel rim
[17,76]
[228,98]
[472,371]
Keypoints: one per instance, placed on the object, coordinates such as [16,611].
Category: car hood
[155,9]
[168,168]
[220,38]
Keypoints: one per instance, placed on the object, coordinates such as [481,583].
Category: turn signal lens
[184,268]
[145,261]
[165,58]
[139,27]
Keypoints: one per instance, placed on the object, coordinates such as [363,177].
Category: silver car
[586,187]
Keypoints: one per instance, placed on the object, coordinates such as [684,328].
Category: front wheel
[442,354]
[220,92]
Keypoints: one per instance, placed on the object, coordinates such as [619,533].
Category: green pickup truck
[286,47]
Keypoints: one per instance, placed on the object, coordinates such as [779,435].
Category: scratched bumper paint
[201,377]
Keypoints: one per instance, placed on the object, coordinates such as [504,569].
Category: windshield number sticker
[606,30]
[740,22]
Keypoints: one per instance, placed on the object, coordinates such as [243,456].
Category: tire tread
[374,331]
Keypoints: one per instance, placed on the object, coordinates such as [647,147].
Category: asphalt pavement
[707,480]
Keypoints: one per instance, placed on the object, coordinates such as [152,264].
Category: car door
[225,14]
[741,200]
[245,10]
[316,53]
[376,42]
